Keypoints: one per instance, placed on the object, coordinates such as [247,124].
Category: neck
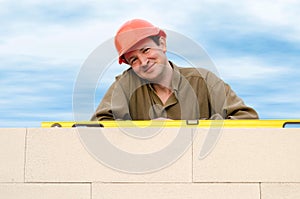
[162,92]
[164,81]
[163,88]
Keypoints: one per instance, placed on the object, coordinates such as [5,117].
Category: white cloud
[279,17]
[57,42]
[76,40]
[248,68]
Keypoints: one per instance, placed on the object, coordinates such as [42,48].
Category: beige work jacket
[197,94]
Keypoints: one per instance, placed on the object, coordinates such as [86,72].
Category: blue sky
[255,45]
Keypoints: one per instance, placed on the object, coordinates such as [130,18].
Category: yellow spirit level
[289,123]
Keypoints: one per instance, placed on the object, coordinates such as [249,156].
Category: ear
[163,44]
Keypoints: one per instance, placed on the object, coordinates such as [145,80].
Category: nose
[143,60]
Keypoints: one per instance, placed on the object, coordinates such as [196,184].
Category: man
[155,88]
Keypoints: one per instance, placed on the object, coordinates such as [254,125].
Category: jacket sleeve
[235,107]
[225,101]
[104,111]
[114,105]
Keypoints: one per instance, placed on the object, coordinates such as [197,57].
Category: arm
[225,101]
[235,107]
[104,111]
[114,104]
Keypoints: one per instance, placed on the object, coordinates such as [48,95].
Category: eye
[132,61]
[146,50]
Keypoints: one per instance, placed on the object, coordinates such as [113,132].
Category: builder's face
[147,59]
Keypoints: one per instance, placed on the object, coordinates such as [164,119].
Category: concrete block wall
[242,163]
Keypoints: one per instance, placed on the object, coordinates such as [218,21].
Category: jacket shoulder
[129,73]
[194,72]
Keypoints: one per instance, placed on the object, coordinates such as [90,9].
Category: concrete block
[12,154]
[176,191]
[45,191]
[280,191]
[248,155]
[59,155]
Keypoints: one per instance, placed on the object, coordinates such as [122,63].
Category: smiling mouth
[148,68]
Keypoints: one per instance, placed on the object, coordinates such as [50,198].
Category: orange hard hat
[131,33]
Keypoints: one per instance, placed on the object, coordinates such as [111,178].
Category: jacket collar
[176,78]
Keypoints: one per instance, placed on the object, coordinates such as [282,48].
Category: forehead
[147,42]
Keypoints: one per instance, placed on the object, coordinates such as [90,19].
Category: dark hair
[155,38]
